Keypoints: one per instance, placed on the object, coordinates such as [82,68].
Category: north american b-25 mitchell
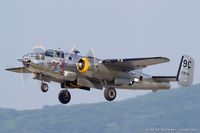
[72,70]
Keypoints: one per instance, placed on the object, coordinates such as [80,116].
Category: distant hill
[177,110]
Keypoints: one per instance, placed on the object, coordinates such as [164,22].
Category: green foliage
[177,109]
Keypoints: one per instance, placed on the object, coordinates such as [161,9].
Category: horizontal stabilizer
[165,78]
[185,73]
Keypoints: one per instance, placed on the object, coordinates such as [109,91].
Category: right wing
[133,63]
[18,70]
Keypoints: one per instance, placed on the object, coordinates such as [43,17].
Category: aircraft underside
[110,92]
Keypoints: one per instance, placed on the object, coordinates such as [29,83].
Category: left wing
[18,70]
[133,63]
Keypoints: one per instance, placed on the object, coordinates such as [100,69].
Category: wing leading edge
[133,63]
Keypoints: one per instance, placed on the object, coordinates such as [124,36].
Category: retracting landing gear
[110,94]
[44,87]
[64,96]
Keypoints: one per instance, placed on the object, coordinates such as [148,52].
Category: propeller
[24,76]
[91,54]
[20,60]
[89,62]
[73,49]
[38,49]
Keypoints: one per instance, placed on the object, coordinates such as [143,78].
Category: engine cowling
[85,65]
[70,76]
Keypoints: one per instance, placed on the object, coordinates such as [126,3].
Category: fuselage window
[63,56]
[48,53]
[54,53]
[70,58]
[58,54]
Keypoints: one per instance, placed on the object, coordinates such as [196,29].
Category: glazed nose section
[26,60]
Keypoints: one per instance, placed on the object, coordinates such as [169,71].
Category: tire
[44,87]
[64,96]
[110,94]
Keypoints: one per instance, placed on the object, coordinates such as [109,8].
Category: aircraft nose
[26,61]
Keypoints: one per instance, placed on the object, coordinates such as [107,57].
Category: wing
[18,70]
[133,63]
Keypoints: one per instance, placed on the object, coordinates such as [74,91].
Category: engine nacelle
[70,76]
[86,65]
[123,81]
[73,84]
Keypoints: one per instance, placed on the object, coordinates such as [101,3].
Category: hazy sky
[114,28]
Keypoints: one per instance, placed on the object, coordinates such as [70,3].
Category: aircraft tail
[186,71]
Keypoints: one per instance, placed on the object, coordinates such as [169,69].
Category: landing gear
[110,94]
[44,87]
[64,96]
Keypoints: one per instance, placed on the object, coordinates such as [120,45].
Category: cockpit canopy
[41,56]
[54,53]
[33,56]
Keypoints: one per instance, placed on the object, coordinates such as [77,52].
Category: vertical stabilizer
[186,71]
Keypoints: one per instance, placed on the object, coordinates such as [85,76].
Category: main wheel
[110,94]
[64,96]
[44,87]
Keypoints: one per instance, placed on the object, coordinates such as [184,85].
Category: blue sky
[114,28]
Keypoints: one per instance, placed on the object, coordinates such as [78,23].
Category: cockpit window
[63,55]
[32,56]
[70,58]
[58,54]
[39,57]
[50,53]
[54,53]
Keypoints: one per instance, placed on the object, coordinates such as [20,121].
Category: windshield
[34,56]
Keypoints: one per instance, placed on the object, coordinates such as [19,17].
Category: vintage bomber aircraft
[72,70]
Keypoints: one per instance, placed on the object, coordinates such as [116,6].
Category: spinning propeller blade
[38,49]
[91,54]
[73,49]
